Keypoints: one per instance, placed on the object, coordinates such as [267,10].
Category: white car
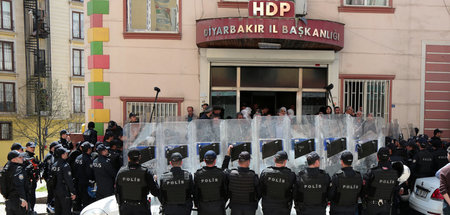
[426,197]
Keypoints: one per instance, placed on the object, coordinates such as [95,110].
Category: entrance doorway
[272,100]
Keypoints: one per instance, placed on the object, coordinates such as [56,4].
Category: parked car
[426,197]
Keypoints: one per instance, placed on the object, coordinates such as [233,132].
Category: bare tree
[54,116]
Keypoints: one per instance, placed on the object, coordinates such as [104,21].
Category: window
[77,25]
[77,62]
[7,97]
[143,109]
[6,56]
[78,0]
[6,15]
[78,99]
[368,96]
[75,127]
[366,2]
[5,131]
[153,16]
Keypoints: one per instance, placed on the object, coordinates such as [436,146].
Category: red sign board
[271,8]
[322,33]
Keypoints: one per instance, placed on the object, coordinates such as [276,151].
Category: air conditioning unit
[300,8]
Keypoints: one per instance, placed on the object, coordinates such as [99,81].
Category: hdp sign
[271,8]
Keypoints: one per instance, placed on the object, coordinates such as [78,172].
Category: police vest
[313,190]
[174,187]
[383,184]
[348,189]
[277,184]
[132,184]
[210,184]
[242,187]
[424,164]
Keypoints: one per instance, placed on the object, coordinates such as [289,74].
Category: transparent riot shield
[173,137]
[271,133]
[365,138]
[302,141]
[142,136]
[239,133]
[333,138]
[206,135]
[161,119]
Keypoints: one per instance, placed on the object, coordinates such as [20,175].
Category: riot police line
[174,150]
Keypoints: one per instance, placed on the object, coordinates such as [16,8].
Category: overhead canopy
[284,33]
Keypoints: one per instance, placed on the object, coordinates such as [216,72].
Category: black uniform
[346,186]
[379,185]
[84,177]
[422,164]
[32,165]
[47,167]
[105,175]
[116,157]
[439,159]
[277,185]
[133,183]
[63,188]
[90,135]
[243,190]
[399,154]
[311,191]
[18,186]
[65,144]
[177,188]
[210,190]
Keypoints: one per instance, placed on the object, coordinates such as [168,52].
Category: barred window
[366,2]
[143,109]
[5,131]
[369,96]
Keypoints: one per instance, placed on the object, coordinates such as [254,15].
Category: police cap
[210,155]
[175,157]
[437,131]
[13,154]
[86,146]
[312,158]
[53,144]
[244,156]
[134,153]
[383,154]
[31,144]
[60,151]
[101,147]
[422,142]
[131,115]
[281,156]
[64,131]
[16,146]
[347,157]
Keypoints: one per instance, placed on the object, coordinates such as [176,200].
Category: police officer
[243,187]
[346,186]
[17,186]
[133,183]
[33,172]
[84,174]
[104,173]
[90,134]
[177,188]
[116,154]
[64,139]
[312,188]
[210,188]
[379,184]
[277,184]
[48,161]
[64,189]
[399,153]
[422,164]
[439,155]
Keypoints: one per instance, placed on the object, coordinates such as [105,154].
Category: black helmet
[86,146]
[60,151]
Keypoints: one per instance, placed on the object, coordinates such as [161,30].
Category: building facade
[389,58]
[42,70]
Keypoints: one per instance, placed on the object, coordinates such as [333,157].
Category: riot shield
[333,138]
[271,135]
[142,136]
[364,142]
[238,132]
[173,137]
[302,142]
[205,135]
